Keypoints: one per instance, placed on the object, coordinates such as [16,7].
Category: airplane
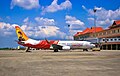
[56,45]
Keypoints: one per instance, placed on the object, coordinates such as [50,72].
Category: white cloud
[104,17]
[55,7]
[106,22]
[106,14]
[90,11]
[71,34]
[45,21]
[84,7]
[13,25]
[75,26]
[40,32]
[6,29]
[43,32]
[98,8]
[26,20]
[74,23]
[91,19]
[43,28]
[27,4]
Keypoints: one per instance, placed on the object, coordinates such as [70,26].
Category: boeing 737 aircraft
[52,44]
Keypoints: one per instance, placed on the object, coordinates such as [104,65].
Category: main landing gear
[55,50]
[85,49]
[27,49]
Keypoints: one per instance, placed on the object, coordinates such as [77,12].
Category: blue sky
[50,18]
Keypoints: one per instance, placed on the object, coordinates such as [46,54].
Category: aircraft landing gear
[27,49]
[55,50]
[85,49]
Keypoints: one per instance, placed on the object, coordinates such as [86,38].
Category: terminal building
[109,39]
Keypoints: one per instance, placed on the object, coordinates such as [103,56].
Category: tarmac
[63,63]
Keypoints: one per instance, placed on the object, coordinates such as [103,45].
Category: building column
[116,46]
[106,47]
[102,47]
[111,46]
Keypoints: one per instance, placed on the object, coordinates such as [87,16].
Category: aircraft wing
[55,46]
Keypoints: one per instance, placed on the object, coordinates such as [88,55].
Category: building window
[115,39]
[100,34]
[113,31]
[108,32]
[119,39]
[104,33]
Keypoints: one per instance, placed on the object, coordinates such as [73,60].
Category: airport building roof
[115,24]
[98,29]
[89,30]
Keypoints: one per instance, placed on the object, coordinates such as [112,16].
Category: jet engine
[66,47]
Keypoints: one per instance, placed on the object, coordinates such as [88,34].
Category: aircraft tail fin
[20,34]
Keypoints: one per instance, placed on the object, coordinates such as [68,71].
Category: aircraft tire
[85,49]
[55,50]
[27,49]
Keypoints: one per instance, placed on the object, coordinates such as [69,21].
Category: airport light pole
[69,32]
[94,10]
